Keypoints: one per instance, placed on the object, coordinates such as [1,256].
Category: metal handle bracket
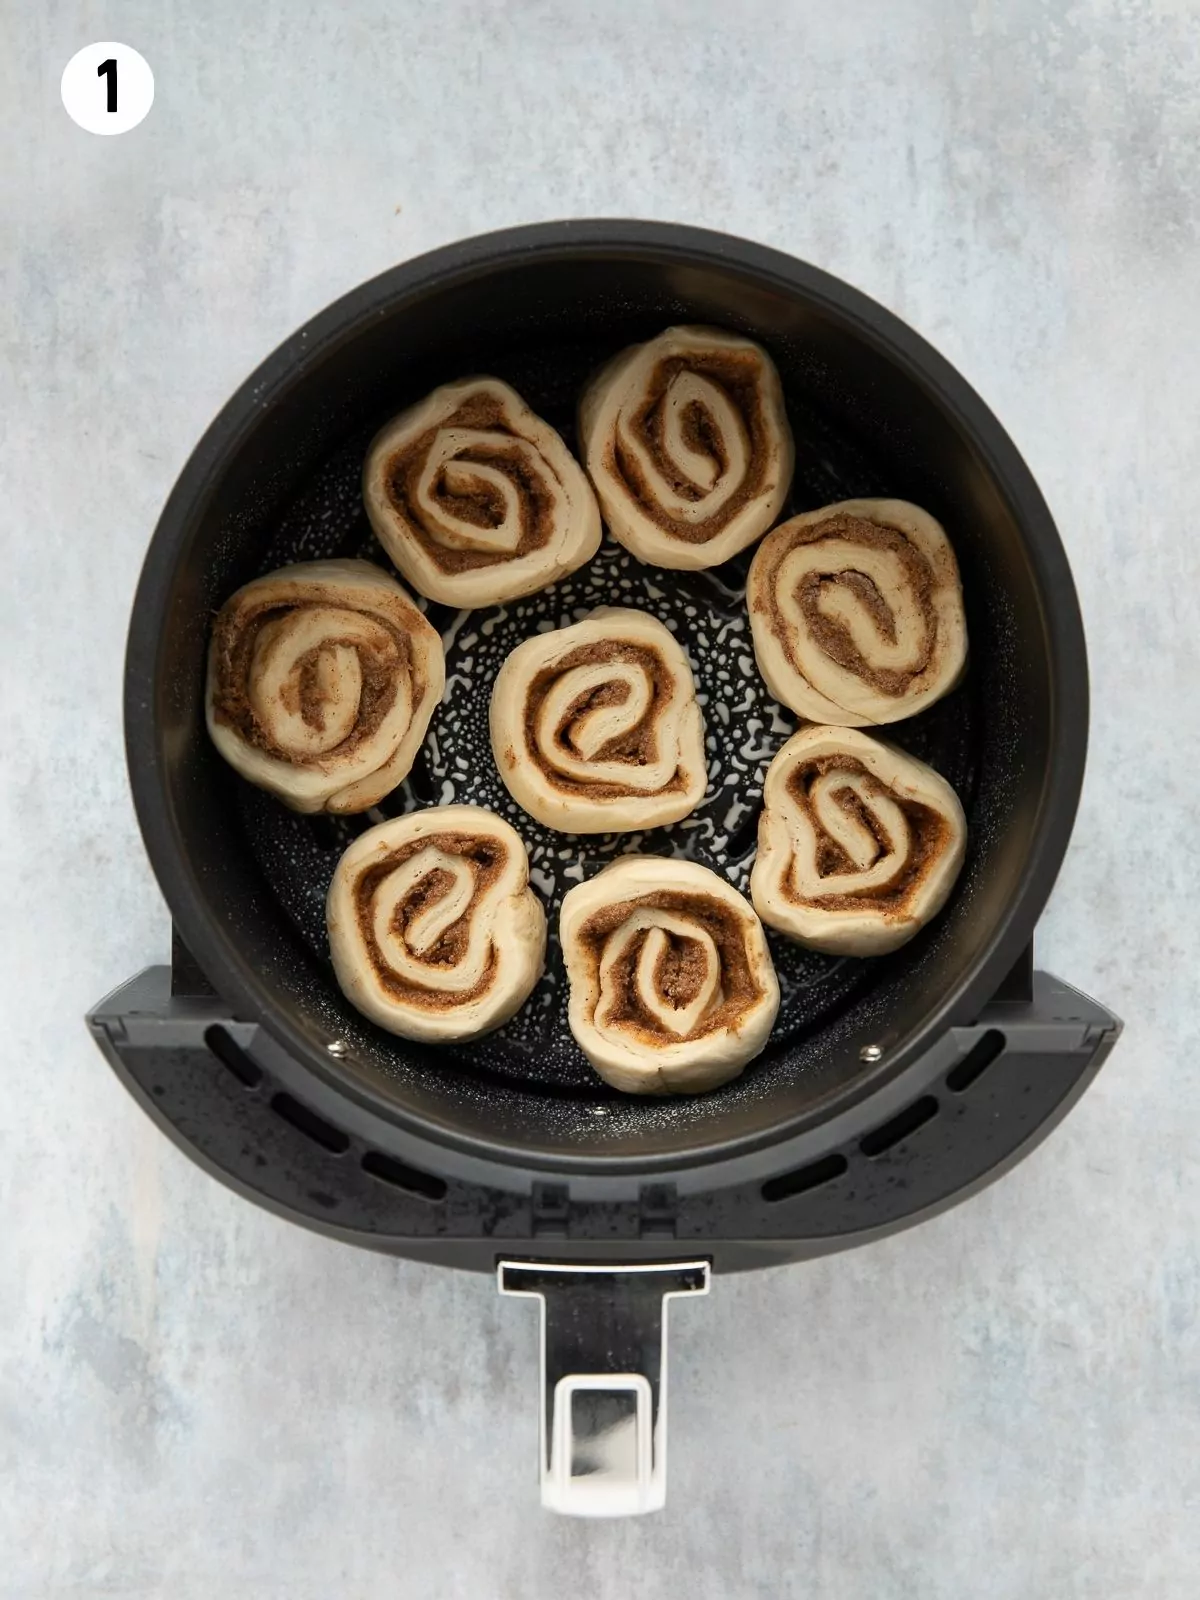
[603,1416]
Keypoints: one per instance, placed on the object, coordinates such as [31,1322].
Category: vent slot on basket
[306,1121]
[805,1178]
[230,1054]
[904,1123]
[389,1170]
[987,1048]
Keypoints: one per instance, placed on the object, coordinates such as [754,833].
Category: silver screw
[336,1047]
[871,1052]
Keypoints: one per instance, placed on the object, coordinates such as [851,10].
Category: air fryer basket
[890,1089]
[875,411]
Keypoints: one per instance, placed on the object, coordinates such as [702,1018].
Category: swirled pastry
[434,931]
[322,679]
[596,729]
[687,442]
[856,612]
[476,499]
[858,844]
[672,987]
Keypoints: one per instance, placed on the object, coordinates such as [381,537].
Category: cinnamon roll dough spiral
[322,679]
[687,442]
[856,612]
[858,844]
[596,729]
[434,931]
[476,499]
[672,986]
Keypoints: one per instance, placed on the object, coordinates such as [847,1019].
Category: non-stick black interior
[281,484]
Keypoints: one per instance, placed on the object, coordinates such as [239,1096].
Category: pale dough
[672,986]
[595,727]
[290,658]
[859,844]
[687,442]
[494,504]
[444,939]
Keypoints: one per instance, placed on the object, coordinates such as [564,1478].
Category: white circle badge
[107,87]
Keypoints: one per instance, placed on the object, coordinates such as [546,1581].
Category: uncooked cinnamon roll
[322,679]
[687,443]
[434,931]
[476,499]
[856,612]
[858,844]
[672,987]
[595,728]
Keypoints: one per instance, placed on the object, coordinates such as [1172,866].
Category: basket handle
[603,1414]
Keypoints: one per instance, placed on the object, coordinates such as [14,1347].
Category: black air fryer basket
[890,1088]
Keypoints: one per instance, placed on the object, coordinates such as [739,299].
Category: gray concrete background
[198,1400]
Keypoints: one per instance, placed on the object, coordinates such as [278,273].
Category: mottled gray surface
[198,1400]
